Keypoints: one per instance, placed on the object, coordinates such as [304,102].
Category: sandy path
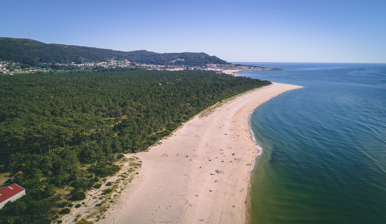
[174,188]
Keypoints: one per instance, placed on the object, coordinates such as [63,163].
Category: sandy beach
[231,72]
[200,174]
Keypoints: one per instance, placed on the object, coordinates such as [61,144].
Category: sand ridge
[201,173]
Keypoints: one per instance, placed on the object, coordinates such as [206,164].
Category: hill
[35,53]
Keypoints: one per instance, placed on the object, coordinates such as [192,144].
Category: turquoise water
[324,158]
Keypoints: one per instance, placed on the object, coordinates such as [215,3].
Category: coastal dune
[200,174]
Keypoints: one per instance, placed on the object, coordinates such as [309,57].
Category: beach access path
[200,174]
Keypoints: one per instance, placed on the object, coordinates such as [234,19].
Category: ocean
[324,146]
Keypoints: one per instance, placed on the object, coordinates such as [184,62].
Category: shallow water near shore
[324,146]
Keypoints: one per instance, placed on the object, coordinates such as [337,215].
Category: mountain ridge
[35,53]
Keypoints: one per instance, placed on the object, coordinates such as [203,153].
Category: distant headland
[26,56]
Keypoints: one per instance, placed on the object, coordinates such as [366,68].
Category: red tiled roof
[10,191]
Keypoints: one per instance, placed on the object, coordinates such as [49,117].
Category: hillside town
[11,68]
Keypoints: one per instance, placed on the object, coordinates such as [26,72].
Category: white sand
[231,72]
[174,188]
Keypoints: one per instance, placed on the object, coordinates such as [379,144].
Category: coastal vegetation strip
[66,132]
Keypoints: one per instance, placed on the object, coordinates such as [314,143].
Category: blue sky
[236,31]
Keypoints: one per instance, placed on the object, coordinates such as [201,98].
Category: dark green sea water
[324,146]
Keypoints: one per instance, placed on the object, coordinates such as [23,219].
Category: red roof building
[10,193]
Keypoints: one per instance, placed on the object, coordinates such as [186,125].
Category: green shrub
[77,195]
[62,205]
[108,190]
[97,186]
[65,211]
[70,205]
[78,205]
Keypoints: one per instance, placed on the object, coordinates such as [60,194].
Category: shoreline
[248,204]
[201,173]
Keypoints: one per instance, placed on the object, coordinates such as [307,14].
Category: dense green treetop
[43,111]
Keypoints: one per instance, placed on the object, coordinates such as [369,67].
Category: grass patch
[77,217]
[135,164]
[4,177]
[108,190]
[84,221]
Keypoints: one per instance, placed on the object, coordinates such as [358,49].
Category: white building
[11,193]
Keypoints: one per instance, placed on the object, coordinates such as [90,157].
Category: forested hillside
[56,126]
[35,53]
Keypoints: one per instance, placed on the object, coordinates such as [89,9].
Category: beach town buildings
[10,193]
[13,67]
